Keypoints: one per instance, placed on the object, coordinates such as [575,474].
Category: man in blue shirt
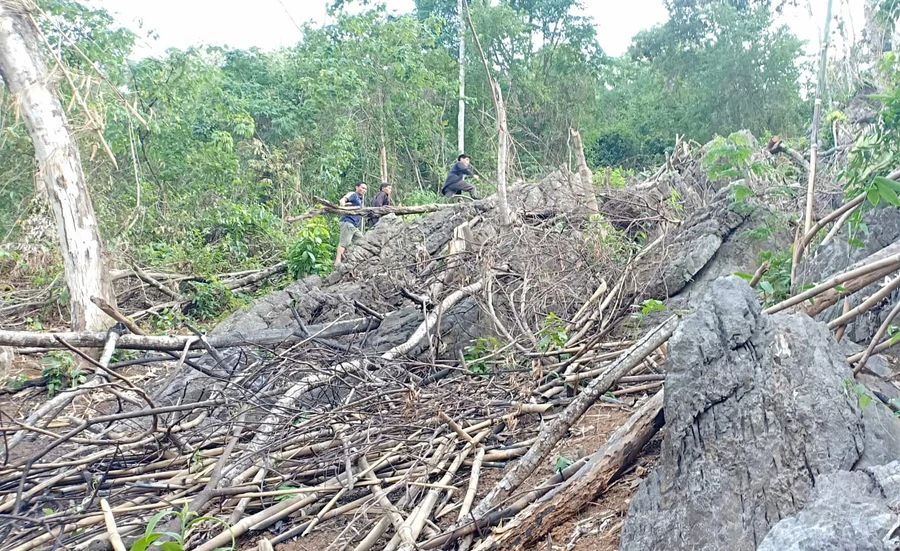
[455,184]
[349,223]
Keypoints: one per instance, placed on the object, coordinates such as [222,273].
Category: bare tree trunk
[584,173]
[502,129]
[817,115]
[26,76]
[503,142]
[461,117]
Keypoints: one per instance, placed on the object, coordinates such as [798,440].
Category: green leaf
[562,463]
[144,542]
[894,340]
[742,275]
[864,400]
[889,195]
[171,546]
[882,181]
[154,520]
[741,192]
[873,196]
[840,288]
[860,389]
[767,287]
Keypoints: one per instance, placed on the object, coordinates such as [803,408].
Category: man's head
[464,158]
[386,187]
[361,188]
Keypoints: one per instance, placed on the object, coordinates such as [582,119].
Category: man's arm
[344,199]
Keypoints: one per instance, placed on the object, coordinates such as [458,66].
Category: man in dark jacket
[455,184]
[350,223]
[382,199]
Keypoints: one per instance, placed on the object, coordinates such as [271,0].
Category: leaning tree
[35,94]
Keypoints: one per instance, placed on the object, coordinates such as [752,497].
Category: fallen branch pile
[381,443]
[283,431]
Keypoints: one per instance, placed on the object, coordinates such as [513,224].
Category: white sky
[269,24]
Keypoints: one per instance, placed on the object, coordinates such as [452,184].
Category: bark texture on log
[25,73]
[623,447]
[178,342]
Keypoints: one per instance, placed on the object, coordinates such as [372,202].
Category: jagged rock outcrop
[716,241]
[756,411]
[847,511]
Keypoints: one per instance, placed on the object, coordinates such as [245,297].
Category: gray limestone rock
[847,511]
[756,411]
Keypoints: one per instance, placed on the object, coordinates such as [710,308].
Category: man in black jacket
[455,184]
[382,199]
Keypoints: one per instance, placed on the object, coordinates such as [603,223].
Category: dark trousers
[459,187]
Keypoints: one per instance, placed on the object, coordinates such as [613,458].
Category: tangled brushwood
[371,404]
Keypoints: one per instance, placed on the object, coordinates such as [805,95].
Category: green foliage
[552,334]
[209,300]
[562,463]
[860,390]
[732,158]
[877,152]
[312,250]
[174,541]
[59,369]
[894,334]
[237,140]
[646,308]
[479,352]
[775,284]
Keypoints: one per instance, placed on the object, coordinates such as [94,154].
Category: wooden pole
[817,116]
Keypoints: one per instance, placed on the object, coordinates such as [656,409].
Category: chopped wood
[565,501]
[552,433]
[178,342]
[330,208]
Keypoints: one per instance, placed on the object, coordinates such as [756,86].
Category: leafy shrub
[176,541]
[731,158]
[312,250]
[209,300]
[59,369]
[419,196]
[776,283]
[477,354]
[553,333]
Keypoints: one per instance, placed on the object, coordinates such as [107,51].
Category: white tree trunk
[461,117]
[26,76]
[584,173]
[503,142]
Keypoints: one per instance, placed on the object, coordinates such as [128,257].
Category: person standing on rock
[349,223]
[455,183]
[382,199]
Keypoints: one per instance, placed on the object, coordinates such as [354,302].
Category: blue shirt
[356,201]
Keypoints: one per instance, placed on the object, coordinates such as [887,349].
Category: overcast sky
[269,24]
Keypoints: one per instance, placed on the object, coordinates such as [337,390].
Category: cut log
[267,337]
[330,208]
[554,431]
[620,451]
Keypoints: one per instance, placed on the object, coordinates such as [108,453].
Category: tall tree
[25,73]
[461,116]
